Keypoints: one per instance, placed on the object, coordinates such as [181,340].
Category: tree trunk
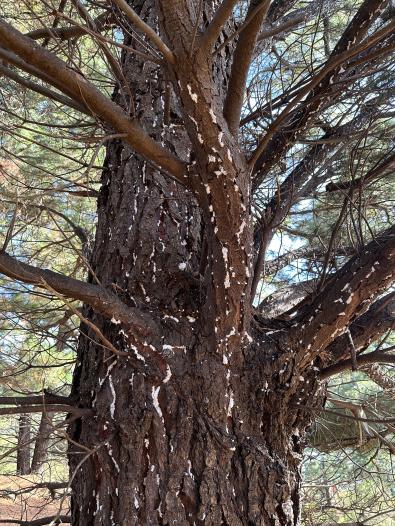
[23,453]
[199,442]
[201,427]
[41,444]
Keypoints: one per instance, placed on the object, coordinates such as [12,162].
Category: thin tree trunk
[24,449]
[41,444]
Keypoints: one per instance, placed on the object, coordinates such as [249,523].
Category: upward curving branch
[347,296]
[146,29]
[216,25]
[241,62]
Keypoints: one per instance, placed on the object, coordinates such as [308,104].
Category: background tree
[248,155]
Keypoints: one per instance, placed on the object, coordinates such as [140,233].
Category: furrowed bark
[190,409]
[205,443]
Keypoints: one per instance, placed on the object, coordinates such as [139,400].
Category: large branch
[216,25]
[368,328]
[87,94]
[102,300]
[276,146]
[347,296]
[241,63]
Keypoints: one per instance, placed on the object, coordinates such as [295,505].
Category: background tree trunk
[24,447]
[42,441]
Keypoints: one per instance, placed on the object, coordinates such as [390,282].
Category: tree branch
[220,18]
[51,408]
[146,29]
[273,147]
[388,162]
[241,63]
[46,92]
[372,325]
[281,28]
[380,377]
[365,359]
[54,519]
[102,300]
[98,104]
[314,91]
[46,398]
[348,295]
[67,33]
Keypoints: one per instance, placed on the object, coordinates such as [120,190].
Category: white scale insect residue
[231,403]
[193,95]
[155,399]
[167,316]
[112,406]
[138,355]
[189,471]
[349,298]
[168,375]
[213,117]
[227,277]
[110,452]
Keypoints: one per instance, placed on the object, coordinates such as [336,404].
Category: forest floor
[28,504]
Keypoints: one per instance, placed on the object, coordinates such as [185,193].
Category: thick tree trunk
[200,427]
[23,453]
[200,442]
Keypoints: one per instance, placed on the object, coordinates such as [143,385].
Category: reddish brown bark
[198,431]
[204,420]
